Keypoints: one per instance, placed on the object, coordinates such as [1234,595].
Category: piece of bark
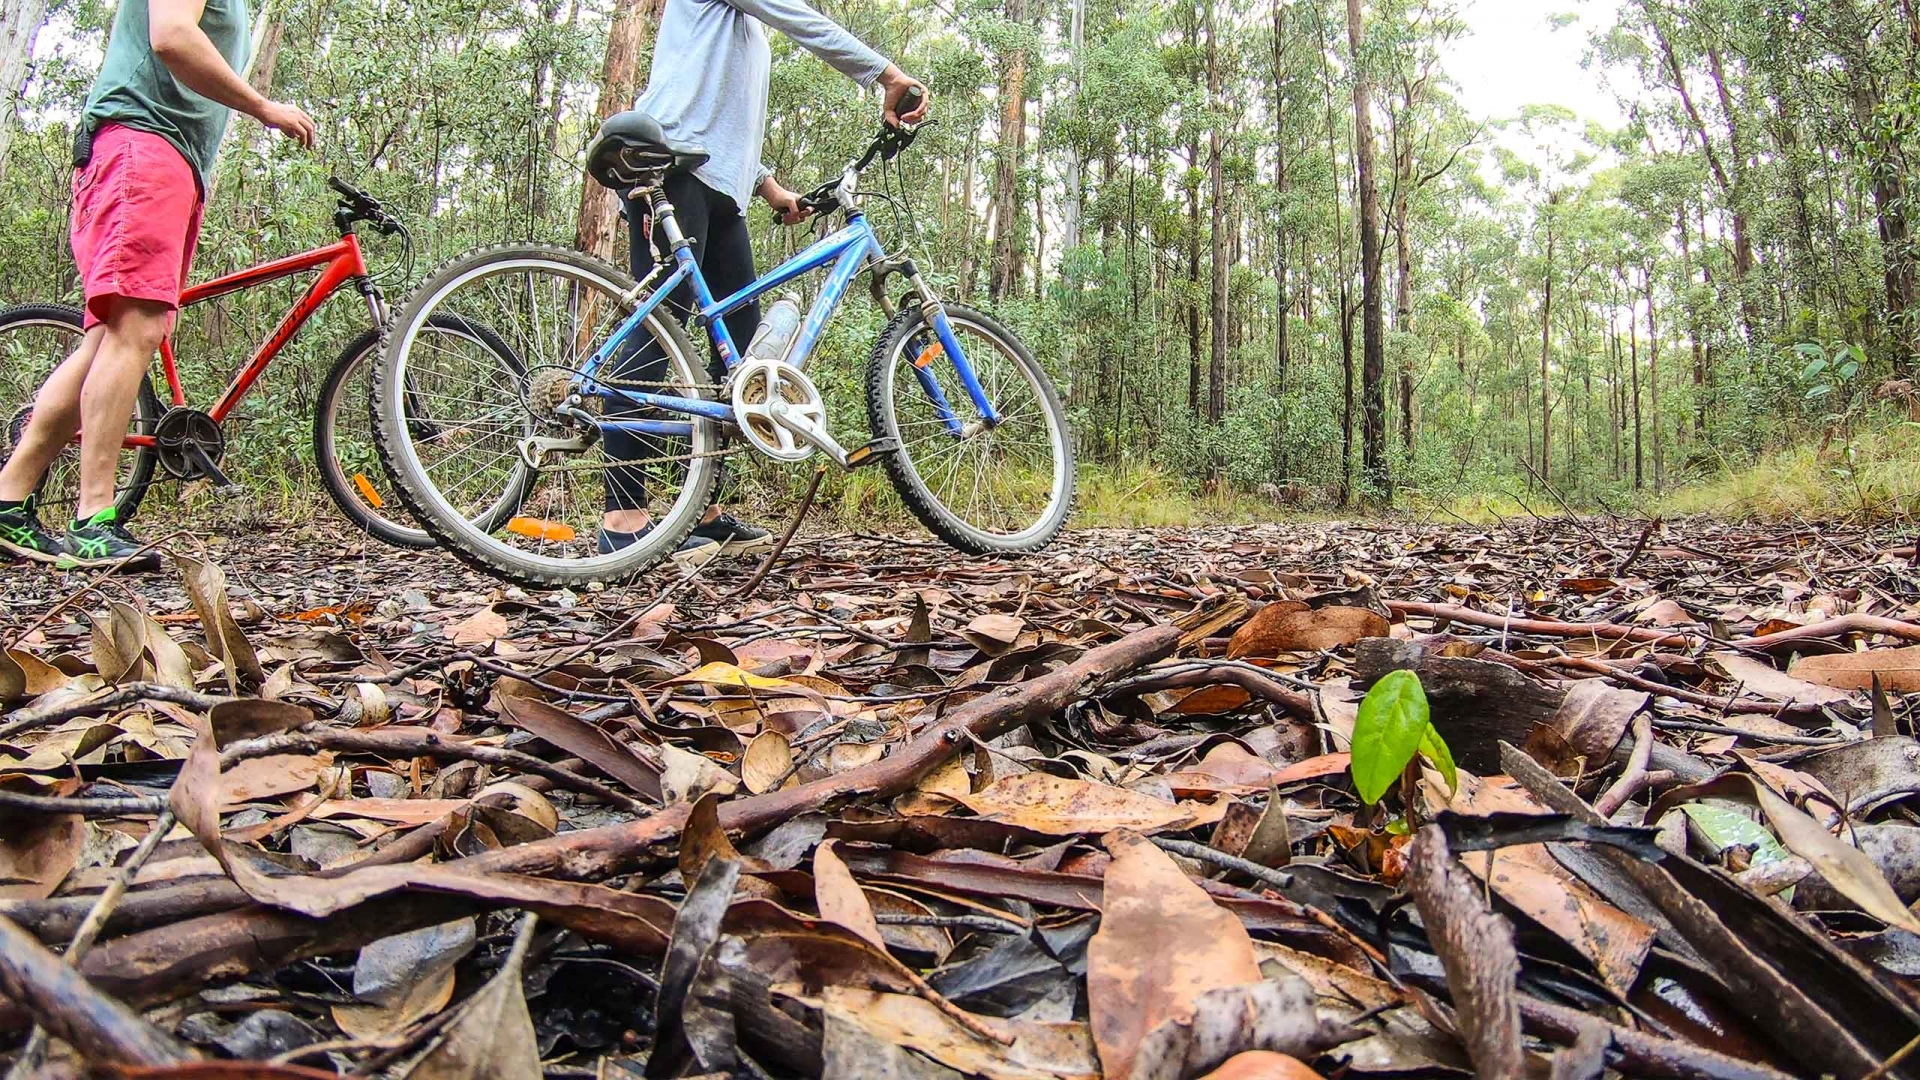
[1476,947]
[55,995]
[1476,704]
[1787,975]
[172,960]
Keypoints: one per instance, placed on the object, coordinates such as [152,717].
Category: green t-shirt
[135,89]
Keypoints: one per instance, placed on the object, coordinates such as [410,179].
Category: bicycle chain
[628,463]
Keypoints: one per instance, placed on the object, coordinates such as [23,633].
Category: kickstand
[766,564]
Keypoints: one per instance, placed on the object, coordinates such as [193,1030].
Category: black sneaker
[734,536]
[102,541]
[22,534]
[695,551]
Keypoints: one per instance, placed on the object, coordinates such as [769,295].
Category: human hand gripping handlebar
[886,146]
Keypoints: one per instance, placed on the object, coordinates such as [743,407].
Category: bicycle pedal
[870,453]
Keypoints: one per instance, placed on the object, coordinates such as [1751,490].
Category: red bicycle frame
[338,262]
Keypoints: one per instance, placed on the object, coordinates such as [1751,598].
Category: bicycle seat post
[662,210]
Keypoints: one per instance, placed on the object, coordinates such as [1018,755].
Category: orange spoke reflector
[558,532]
[366,491]
[926,355]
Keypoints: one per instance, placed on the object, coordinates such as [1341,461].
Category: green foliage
[1394,725]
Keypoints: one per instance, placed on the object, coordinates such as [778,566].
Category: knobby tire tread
[489,562]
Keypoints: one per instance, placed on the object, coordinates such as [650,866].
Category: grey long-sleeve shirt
[710,76]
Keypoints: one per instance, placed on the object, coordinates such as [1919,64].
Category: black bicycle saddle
[630,145]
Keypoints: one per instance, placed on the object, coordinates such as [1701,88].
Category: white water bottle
[777,329]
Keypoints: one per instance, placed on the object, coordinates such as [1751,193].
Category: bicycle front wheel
[34,339]
[1006,488]
[461,427]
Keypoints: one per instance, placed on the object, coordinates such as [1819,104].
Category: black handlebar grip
[909,101]
[341,186]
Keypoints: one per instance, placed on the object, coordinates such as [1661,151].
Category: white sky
[1515,57]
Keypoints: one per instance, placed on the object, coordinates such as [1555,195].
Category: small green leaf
[1436,750]
[1808,348]
[1813,369]
[1400,826]
[1392,724]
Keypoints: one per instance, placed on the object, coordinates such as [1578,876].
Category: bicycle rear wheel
[1007,488]
[551,307]
[35,339]
[343,440]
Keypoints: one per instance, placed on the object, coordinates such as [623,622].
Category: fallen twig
[64,1003]
[103,701]
[1497,621]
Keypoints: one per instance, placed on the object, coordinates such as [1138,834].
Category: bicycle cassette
[780,412]
[549,389]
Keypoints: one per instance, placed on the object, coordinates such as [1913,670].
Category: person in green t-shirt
[144,158]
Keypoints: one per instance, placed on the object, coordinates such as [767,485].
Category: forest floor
[905,812]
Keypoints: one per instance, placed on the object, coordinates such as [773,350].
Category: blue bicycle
[961,416]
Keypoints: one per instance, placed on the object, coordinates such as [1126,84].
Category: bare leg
[134,331]
[56,416]
[636,520]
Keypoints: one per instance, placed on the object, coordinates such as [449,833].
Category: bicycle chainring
[180,431]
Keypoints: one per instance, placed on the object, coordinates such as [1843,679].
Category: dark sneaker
[695,551]
[102,541]
[22,534]
[734,536]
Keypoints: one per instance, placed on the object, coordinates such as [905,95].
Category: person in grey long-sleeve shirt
[708,88]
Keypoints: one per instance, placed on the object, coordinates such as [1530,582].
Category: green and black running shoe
[22,534]
[102,541]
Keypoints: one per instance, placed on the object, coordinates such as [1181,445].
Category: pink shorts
[136,219]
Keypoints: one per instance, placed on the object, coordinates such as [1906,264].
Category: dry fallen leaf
[493,1037]
[1057,806]
[839,898]
[1898,669]
[1162,943]
[480,628]
[1299,628]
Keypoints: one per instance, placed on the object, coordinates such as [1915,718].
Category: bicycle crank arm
[809,432]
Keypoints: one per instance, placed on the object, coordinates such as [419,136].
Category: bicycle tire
[344,490]
[883,421]
[417,490]
[146,415]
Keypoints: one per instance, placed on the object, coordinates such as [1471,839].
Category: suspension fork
[935,314]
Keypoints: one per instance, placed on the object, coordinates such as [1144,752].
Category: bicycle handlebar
[886,146]
[360,206]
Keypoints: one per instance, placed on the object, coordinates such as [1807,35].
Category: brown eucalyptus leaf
[1162,943]
[839,897]
[1058,806]
[1898,669]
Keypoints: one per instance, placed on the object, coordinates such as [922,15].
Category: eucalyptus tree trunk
[1373,371]
[1013,138]
[1217,307]
[619,85]
[23,19]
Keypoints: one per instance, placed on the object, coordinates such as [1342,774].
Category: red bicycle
[187,443]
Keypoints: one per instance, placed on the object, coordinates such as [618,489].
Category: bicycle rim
[550,313]
[1007,488]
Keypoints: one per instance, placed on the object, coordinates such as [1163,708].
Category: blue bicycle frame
[848,251]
